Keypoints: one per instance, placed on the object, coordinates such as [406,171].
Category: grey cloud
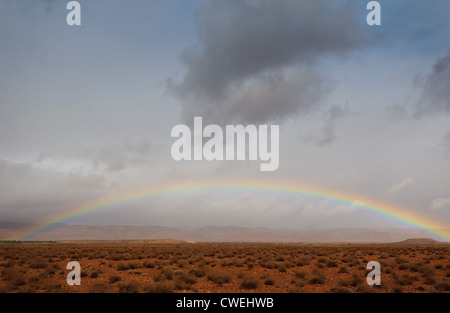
[327,135]
[79,180]
[436,89]
[116,157]
[3,165]
[265,97]
[405,184]
[397,111]
[446,144]
[248,48]
[27,191]
[334,114]
[440,204]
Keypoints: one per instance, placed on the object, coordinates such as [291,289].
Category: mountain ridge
[210,233]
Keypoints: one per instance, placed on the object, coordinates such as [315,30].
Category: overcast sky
[87,111]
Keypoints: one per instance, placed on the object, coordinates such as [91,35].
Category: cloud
[3,166]
[28,191]
[115,157]
[436,89]
[405,184]
[440,204]
[255,58]
[397,112]
[446,143]
[327,135]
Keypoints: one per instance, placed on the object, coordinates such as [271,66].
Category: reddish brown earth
[182,267]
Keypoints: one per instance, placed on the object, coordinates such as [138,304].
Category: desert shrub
[420,288]
[16,282]
[167,273]
[130,287]
[114,279]
[356,281]
[38,264]
[428,275]
[321,260]
[282,269]
[400,260]
[406,280]
[340,290]
[219,277]
[148,264]
[95,274]
[33,279]
[397,289]
[197,272]
[52,286]
[132,265]
[269,264]
[187,278]
[443,286]
[317,280]
[364,288]
[98,288]
[300,274]
[269,281]
[9,274]
[332,264]
[122,267]
[249,283]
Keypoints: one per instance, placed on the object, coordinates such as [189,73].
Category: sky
[87,111]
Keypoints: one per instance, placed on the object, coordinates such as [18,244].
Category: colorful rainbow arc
[381,209]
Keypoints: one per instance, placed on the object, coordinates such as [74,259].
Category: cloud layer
[254,61]
[436,89]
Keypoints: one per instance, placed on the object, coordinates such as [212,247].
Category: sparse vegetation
[165,268]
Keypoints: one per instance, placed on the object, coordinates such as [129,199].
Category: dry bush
[249,283]
[300,274]
[219,278]
[129,287]
[269,281]
[114,279]
[159,287]
[99,288]
[317,279]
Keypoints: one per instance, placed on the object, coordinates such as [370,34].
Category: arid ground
[200,267]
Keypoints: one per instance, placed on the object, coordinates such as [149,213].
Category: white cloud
[406,183]
[440,204]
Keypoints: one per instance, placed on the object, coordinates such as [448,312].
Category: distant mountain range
[213,234]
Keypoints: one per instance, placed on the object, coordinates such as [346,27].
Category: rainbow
[384,210]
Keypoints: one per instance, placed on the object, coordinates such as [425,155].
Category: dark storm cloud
[436,89]
[249,48]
